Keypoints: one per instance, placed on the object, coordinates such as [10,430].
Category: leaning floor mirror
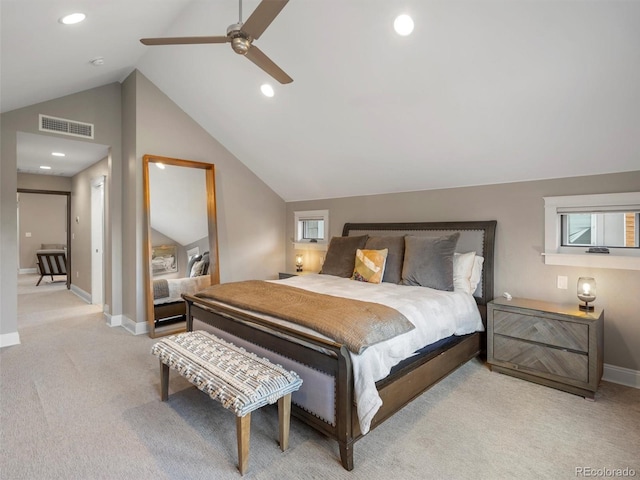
[181,247]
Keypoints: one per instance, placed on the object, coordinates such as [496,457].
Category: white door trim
[97,240]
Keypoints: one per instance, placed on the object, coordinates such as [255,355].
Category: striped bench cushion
[240,380]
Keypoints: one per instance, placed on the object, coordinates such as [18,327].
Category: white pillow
[462,271]
[476,273]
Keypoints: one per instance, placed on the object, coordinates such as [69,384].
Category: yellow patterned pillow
[370,265]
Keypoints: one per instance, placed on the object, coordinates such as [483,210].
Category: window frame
[556,254]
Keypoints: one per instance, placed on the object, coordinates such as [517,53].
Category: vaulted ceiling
[482,92]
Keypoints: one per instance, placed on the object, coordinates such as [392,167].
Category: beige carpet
[80,400]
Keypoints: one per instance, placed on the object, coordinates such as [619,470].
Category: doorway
[68,224]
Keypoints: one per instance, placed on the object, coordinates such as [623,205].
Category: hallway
[48,302]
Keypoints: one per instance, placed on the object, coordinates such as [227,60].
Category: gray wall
[44,182]
[44,216]
[135,118]
[252,221]
[100,106]
[80,187]
[43,220]
[519,210]
[81,229]
[250,216]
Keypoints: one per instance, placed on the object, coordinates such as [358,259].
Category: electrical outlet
[563,282]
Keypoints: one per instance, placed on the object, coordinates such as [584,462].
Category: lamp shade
[586,291]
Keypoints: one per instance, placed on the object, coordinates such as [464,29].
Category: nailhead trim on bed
[241,381]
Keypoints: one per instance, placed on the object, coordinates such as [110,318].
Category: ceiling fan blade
[262,17]
[184,40]
[260,59]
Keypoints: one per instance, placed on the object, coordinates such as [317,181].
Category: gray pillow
[395,245]
[428,261]
[341,255]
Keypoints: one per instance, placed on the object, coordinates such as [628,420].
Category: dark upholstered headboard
[474,236]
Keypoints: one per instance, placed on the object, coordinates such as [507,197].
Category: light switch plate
[563,282]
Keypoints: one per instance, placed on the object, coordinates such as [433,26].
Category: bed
[168,304]
[336,398]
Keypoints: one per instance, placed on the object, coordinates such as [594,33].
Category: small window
[600,231]
[613,229]
[311,226]
[312,229]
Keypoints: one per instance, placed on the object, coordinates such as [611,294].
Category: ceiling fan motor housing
[240,41]
[241,36]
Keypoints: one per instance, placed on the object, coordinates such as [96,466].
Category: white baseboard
[137,328]
[81,293]
[113,320]
[621,375]
[23,271]
[9,339]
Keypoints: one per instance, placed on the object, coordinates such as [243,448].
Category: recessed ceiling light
[72,18]
[267,90]
[57,154]
[403,25]
[45,167]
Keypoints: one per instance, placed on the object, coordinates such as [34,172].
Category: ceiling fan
[241,36]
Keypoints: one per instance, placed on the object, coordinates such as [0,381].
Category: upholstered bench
[241,381]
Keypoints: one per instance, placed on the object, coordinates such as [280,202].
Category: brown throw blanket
[354,323]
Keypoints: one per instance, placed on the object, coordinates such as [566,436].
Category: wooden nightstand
[555,345]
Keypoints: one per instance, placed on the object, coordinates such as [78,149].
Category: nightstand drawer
[538,358]
[570,335]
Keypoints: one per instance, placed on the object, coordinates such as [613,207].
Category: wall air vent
[65,127]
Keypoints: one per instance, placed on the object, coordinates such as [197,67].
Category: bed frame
[405,382]
[166,313]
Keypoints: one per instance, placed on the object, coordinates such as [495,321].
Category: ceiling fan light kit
[241,36]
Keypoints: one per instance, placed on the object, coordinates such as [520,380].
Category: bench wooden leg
[284,420]
[164,381]
[243,431]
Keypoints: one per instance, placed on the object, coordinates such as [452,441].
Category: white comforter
[435,314]
[187,285]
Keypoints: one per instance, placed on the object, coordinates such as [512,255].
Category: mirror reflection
[181,254]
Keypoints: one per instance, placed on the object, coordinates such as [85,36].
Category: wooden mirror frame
[214,270]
